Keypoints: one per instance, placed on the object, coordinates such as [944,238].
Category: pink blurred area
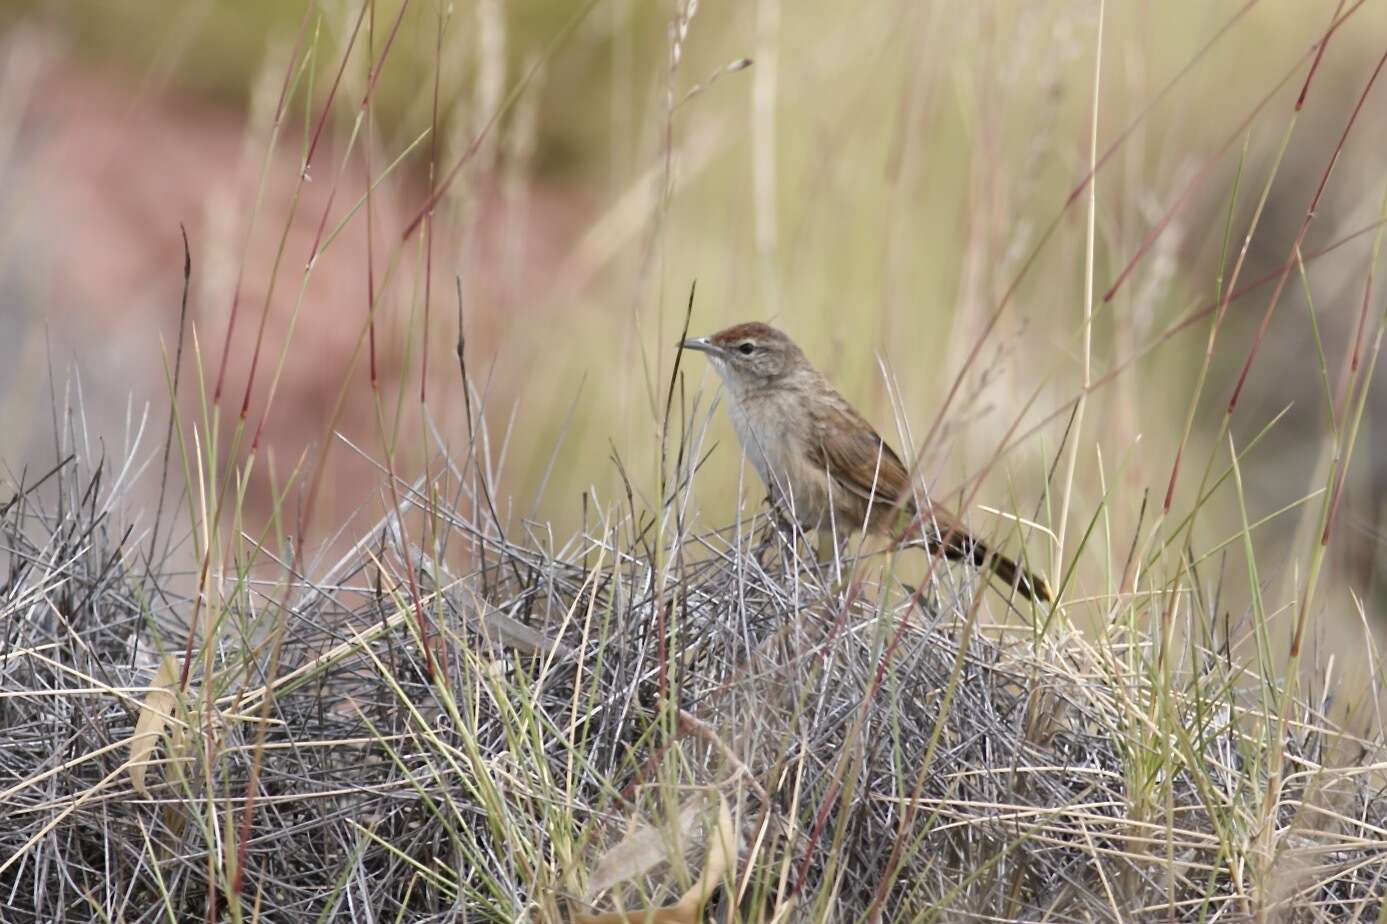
[99,176]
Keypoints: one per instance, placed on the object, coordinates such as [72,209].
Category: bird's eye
[746,349]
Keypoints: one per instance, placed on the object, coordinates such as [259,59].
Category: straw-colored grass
[544,657]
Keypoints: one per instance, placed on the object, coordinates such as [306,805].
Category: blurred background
[898,185]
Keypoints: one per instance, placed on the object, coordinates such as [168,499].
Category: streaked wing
[856,458]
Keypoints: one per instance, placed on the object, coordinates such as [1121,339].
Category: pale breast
[772,437]
[760,433]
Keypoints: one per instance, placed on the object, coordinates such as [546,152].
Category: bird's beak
[700,344]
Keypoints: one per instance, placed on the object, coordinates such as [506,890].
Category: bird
[823,465]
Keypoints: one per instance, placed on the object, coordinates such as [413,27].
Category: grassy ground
[646,714]
[1117,267]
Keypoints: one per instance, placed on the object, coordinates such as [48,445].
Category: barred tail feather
[1031,585]
[965,548]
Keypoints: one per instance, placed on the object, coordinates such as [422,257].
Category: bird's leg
[825,546]
[800,546]
[833,549]
[778,526]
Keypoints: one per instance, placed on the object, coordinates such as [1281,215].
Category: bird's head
[750,355]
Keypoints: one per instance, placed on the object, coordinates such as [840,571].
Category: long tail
[960,546]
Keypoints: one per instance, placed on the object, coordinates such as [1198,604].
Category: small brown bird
[823,464]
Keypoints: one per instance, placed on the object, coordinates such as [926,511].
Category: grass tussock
[279,693]
[648,715]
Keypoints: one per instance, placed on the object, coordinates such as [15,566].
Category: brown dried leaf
[642,850]
[155,714]
[722,854]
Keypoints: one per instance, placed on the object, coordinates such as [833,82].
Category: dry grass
[880,752]
[422,697]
